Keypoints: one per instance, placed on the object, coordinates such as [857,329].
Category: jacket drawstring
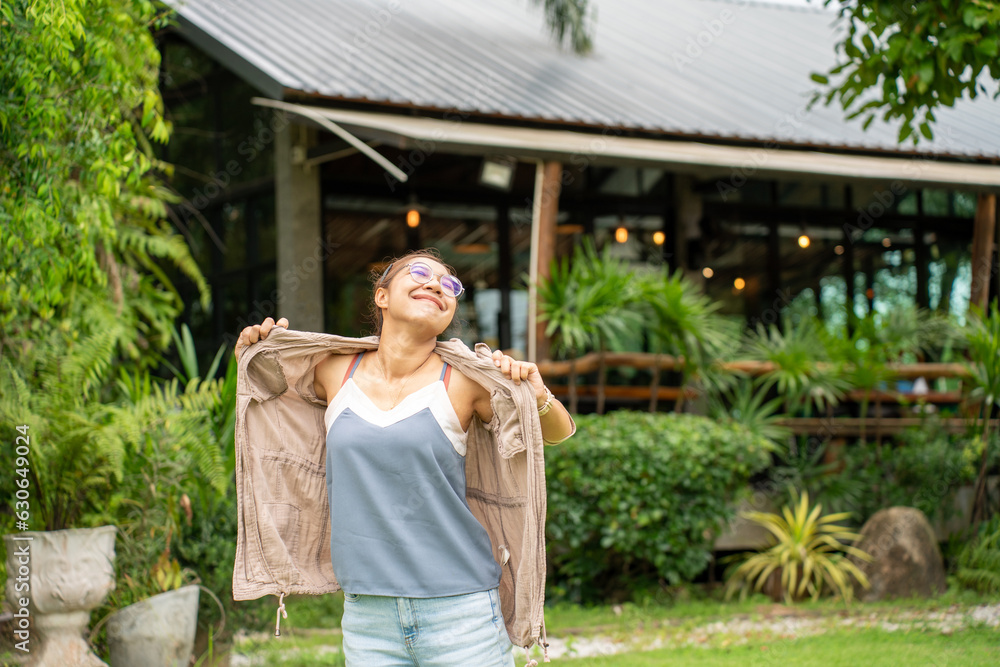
[545,643]
[281,612]
[531,662]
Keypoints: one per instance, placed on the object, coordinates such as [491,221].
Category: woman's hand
[521,371]
[557,425]
[252,334]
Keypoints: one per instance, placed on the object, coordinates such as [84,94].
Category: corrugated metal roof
[696,68]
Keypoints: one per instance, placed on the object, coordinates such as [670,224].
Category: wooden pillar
[984,232]
[551,188]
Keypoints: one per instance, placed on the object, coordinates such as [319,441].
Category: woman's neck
[401,354]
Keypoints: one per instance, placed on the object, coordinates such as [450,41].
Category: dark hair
[383,277]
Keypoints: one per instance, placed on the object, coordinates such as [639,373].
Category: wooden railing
[555,373]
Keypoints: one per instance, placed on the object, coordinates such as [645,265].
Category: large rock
[906,560]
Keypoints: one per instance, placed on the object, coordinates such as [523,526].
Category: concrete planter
[156,632]
[70,572]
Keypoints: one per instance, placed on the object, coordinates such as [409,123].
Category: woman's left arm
[557,425]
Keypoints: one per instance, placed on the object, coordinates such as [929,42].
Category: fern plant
[807,552]
[979,560]
[87,433]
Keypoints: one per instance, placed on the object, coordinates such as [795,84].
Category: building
[306,133]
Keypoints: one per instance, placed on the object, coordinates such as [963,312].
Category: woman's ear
[381,298]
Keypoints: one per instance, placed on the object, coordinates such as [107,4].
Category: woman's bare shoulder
[329,374]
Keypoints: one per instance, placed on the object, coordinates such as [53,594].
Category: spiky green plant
[807,551]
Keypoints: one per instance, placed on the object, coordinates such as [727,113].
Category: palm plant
[683,323]
[744,403]
[807,551]
[588,304]
[877,341]
[865,368]
[801,371]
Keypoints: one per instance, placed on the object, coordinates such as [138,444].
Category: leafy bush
[635,497]
[923,469]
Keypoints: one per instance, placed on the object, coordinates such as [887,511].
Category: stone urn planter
[156,632]
[68,574]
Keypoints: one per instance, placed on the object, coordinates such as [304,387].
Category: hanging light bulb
[621,235]
[707,272]
[413,218]
[659,238]
[804,241]
[739,283]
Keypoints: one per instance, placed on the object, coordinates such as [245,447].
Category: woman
[420,578]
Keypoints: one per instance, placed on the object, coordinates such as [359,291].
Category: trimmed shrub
[635,498]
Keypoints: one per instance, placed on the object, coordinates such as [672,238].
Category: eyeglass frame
[424,282]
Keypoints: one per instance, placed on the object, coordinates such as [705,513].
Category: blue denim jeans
[452,631]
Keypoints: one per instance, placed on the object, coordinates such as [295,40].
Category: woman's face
[407,300]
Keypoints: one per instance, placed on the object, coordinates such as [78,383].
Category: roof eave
[293,94]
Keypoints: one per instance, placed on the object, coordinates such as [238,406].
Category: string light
[659,238]
[413,218]
[621,235]
[839,249]
[707,272]
[739,283]
[804,241]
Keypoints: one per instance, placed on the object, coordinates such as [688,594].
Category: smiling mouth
[425,297]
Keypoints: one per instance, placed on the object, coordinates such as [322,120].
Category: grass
[311,633]
[845,648]
[676,627]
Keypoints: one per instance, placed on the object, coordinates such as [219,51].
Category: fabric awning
[580,148]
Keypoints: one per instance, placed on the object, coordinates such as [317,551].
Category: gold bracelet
[547,405]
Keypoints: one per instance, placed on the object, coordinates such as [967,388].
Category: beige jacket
[283,541]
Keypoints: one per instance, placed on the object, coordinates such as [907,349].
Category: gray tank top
[400,523]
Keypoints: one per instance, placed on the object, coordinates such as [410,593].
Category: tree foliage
[903,59]
[569,20]
[81,211]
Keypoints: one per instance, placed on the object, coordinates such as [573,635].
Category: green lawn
[834,649]
[678,624]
